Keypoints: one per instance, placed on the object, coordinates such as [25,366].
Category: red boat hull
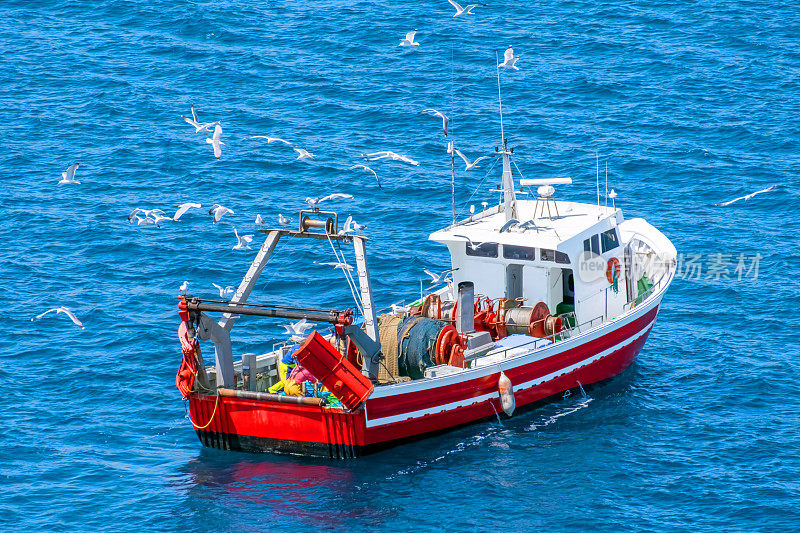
[399,413]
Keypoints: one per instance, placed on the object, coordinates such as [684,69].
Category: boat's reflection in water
[238,490]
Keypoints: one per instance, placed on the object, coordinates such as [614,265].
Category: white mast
[509,196]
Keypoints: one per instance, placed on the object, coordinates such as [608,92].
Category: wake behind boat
[546,295]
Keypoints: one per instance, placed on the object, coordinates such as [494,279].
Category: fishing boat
[543,296]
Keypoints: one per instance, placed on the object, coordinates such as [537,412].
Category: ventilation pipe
[465,319]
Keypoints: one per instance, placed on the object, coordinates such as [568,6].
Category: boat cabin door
[513,282]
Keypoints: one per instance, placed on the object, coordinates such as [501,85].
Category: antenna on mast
[597,167]
[500,99]
[452,149]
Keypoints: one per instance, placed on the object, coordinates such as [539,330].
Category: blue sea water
[689,104]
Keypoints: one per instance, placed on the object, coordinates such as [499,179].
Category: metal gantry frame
[219,331]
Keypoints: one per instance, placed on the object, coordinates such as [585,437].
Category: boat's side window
[609,239]
[592,244]
[555,255]
[519,252]
[482,249]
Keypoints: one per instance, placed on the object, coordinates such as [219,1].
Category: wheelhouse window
[609,239]
[481,249]
[519,252]
[592,244]
[555,255]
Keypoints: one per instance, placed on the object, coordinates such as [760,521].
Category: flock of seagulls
[213,131]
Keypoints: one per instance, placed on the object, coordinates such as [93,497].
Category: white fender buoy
[506,391]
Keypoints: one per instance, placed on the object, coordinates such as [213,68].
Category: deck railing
[553,337]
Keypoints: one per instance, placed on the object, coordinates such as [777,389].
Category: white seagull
[284,221]
[219,211]
[243,241]
[367,169]
[198,126]
[68,176]
[183,208]
[158,218]
[396,309]
[215,142]
[342,266]
[509,59]
[745,197]
[271,140]
[374,156]
[314,202]
[224,292]
[347,227]
[303,154]
[463,11]
[444,118]
[438,279]
[473,164]
[184,287]
[409,40]
[58,311]
[259,220]
[472,246]
[298,329]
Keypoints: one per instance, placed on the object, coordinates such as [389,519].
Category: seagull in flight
[68,176]
[508,225]
[463,11]
[472,245]
[271,140]
[58,311]
[367,169]
[198,126]
[438,279]
[342,266]
[243,241]
[298,329]
[351,226]
[183,208]
[314,202]
[409,40]
[473,164]
[215,142]
[374,156]
[284,221]
[441,115]
[225,292]
[219,211]
[303,154]
[745,197]
[509,59]
[159,217]
[151,216]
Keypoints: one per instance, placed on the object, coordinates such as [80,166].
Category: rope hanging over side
[187,372]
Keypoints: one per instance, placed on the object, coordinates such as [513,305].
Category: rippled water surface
[689,103]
